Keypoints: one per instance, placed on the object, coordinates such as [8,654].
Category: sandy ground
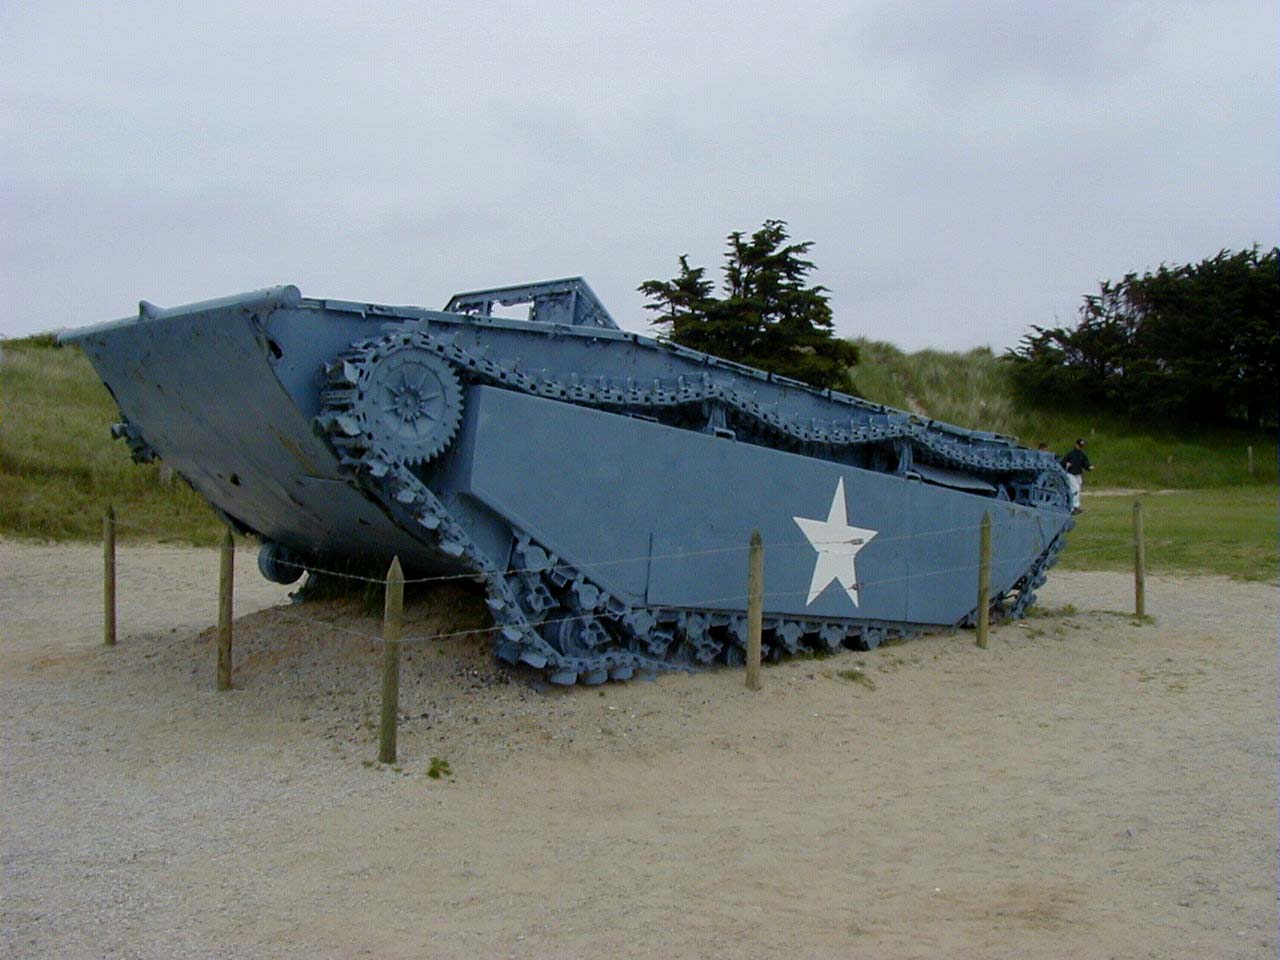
[1088,787]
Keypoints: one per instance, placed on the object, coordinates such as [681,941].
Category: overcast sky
[964,170]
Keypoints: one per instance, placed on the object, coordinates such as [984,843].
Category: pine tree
[769,317]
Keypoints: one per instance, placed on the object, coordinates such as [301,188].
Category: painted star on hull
[837,544]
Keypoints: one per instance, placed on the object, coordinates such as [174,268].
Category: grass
[59,467]
[856,676]
[969,389]
[1056,613]
[975,390]
[1231,531]
[439,768]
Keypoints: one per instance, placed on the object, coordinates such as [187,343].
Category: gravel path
[1089,787]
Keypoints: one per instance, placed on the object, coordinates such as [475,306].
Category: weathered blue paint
[601,484]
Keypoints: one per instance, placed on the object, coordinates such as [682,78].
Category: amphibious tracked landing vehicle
[602,484]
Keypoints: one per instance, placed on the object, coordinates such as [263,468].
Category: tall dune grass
[975,390]
[59,467]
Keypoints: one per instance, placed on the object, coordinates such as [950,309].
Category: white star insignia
[837,544]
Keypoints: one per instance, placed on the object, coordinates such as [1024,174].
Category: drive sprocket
[406,399]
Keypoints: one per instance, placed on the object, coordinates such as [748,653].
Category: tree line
[1197,341]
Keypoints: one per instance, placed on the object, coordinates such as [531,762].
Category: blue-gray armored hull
[602,485]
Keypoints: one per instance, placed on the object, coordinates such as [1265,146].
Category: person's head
[1043,446]
[1080,443]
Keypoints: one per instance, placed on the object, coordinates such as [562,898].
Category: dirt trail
[1089,787]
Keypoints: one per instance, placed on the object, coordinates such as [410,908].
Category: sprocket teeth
[396,395]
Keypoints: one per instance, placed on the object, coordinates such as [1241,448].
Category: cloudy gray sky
[963,169]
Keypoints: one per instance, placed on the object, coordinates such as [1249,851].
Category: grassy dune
[974,389]
[59,468]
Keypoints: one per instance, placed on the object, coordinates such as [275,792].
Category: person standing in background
[1076,462]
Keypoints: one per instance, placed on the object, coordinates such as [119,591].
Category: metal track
[549,614]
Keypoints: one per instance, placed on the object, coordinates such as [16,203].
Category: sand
[1088,787]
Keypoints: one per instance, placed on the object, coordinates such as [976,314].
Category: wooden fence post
[392,628]
[226,578]
[984,580]
[1251,460]
[1168,470]
[755,609]
[1139,563]
[109,577]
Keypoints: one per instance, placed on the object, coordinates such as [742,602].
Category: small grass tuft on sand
[1038,612]
[439,768]
[856,676]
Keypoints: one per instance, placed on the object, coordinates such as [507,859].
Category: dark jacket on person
[1076,462]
